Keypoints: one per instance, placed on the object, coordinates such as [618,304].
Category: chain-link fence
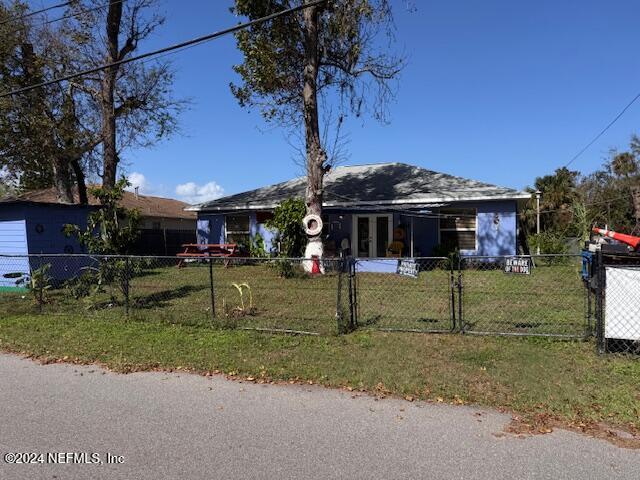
[616,285]
[405,294]
[245,293]
[540,295]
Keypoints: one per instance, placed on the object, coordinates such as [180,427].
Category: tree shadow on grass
[373,320]
[164,297]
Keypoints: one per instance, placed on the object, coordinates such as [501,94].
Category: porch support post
[412,255]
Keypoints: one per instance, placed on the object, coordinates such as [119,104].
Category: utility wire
[602,132]
[72,15]
[31,14]
[195,41]
[81,12]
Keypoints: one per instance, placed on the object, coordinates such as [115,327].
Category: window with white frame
[458,228]
[237,230]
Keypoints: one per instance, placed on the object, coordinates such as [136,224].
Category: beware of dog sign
[518,265]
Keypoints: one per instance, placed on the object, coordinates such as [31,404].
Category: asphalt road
[182,426]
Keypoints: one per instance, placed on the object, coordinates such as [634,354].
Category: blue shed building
[28,227]
[381,210]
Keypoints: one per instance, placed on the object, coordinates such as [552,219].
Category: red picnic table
[208,250]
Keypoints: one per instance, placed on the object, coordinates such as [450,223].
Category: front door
[373,234]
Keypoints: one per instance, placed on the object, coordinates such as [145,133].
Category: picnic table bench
[208,250]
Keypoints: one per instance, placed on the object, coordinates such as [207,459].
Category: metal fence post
[589,322]
[126,285]
[213,296]
[600,292]
[353,285]
[460,294]
[339,313]
[452,283]
[40,286]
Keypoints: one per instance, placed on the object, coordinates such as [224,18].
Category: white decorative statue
[313,228]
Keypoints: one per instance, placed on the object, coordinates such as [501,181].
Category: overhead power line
[80,12]
[602,132]
[31,14]
[178,46]
[73,15]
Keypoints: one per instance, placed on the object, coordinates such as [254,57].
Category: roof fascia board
[479,198]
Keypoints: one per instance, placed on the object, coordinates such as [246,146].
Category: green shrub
[549,242]
[257,248]
[449,251]
[287,226]
[284,268]
[38,283]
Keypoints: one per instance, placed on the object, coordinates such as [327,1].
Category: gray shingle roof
[374,184]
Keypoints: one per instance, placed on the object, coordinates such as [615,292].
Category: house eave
[412,201]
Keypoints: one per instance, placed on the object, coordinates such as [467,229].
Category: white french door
[372,234]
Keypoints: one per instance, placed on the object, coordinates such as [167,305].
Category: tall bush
[287,227]
[111,229]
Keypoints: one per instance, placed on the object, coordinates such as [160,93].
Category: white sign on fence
[519,265]
[408,267]
[622,308]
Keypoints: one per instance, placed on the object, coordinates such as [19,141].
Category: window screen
[458,228]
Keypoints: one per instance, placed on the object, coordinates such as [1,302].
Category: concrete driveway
[182,426]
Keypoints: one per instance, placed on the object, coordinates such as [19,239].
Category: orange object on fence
[633,242]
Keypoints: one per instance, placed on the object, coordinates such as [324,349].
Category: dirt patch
[542,423]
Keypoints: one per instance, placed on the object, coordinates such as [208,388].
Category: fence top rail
[291,259]
[169,257]
[387,259]
[534,256]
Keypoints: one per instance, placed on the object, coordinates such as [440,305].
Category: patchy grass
[550,300]
[562,380]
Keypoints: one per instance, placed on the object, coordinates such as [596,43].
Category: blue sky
[499,91]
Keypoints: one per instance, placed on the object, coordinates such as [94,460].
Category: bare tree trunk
[81,181]
[109,145]
[315,154]
[62,179]
[59,164]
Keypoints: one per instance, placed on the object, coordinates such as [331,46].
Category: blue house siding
[210,228]
[13,241]
[38,229]
[13,236]
[496,228]
[267,235]
[45,224]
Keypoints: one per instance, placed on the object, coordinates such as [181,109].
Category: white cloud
[192,193]
[139,180]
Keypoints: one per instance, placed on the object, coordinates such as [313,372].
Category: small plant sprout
[239,288]
[38,282]
[242,310]
[246,285]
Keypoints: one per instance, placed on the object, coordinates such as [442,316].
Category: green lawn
[550,301]
[170,324]
[537,378]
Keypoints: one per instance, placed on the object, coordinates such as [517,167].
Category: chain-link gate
[539,295]
[617,290]
[405,294]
